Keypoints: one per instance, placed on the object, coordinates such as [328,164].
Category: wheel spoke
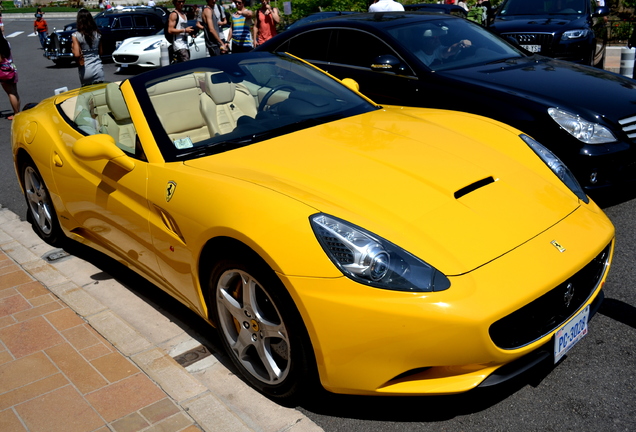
[264,354]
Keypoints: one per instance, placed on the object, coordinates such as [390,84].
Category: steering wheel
[269,94]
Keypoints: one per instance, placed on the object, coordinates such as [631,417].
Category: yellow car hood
[404,178]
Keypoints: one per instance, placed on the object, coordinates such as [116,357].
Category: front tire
[41,212]
[261,329]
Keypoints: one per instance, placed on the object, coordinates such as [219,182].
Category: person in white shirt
[385,6]
[151,3]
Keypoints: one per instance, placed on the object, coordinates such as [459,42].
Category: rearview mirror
[102,147]
[352,84]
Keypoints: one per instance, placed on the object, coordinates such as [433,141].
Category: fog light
[593,178]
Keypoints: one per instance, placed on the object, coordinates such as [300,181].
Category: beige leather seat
[117,122]
[176,103]
[224,102]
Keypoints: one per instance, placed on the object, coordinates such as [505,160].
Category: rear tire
[261,329]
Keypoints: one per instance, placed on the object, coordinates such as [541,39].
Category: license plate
[123,65]
[532,48]
[572,332]
[52,57]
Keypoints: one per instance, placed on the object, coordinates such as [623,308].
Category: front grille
[123,58]
[543,39]
[628,125]
[551,310]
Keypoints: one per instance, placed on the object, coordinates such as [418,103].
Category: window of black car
[441,44]
[311,46]
[123,22]
[211,110]
[141,21]
[104,21]
[367,48]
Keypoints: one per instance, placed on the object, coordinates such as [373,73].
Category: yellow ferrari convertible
[329,240]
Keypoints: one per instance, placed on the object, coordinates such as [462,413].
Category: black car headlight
[371,260]
[581,129]
[557,167]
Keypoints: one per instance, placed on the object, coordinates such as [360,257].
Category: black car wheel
[261,329]
[41,212]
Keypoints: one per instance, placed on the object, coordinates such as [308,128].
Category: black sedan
[585,115]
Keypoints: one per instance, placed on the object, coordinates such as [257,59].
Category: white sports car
[145,51]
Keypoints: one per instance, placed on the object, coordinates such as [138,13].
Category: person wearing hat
[432,50]
[40,28]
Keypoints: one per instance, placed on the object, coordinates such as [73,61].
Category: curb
[207,391]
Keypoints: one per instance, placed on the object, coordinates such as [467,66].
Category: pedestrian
[101,5]
[179,30]
[9,76]
[87,49]
[211,30]
[267,18]
[151,3]
[386,6]
[224,19]
[240,33]
[41,29]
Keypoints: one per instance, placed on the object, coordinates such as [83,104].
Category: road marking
[14,34]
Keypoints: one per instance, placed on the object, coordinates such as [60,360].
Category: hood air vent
[473,187]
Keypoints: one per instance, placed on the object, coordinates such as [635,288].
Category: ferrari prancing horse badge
[170,188]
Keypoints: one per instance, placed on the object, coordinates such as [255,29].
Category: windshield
[104,21]
[543,7]
[452,43]
[215,106]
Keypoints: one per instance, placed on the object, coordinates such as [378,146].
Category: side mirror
[352,84]
[601,11]
[388,63]
[102,147]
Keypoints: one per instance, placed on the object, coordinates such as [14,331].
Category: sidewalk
[80,352]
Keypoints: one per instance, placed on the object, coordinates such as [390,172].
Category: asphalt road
[593,388]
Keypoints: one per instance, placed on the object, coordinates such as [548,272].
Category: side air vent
[473,187]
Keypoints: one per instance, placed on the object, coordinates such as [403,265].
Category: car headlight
[557,167]
[583,130]
[153,46]
[371,260]
[575,34]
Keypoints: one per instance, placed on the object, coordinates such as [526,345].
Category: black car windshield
[104,21]
[452,43]
[215,105]
[543,7]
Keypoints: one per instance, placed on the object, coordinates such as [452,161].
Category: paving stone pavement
[79,352]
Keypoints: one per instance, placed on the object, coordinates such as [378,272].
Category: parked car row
[237,185]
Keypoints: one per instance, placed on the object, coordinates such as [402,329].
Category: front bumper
[372,341]
[55,55]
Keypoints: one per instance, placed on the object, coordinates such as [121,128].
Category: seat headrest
[115,102]
[219,87]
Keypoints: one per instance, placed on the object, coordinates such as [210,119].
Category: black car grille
[551,310]
[628,125]
[543,39]
[123,58]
